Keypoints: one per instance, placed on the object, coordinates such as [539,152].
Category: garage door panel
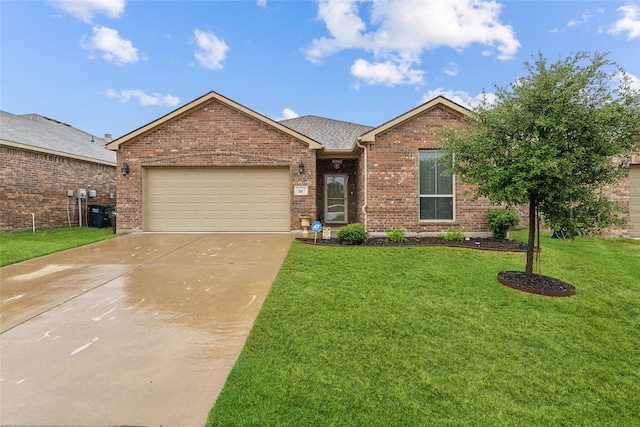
[216,199]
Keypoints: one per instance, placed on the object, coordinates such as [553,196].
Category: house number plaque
[301,190]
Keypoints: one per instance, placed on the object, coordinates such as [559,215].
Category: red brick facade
[36,183]
[213,134]
[384,180]
[393,181]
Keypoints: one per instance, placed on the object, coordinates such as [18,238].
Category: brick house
[44,160]
[215,165]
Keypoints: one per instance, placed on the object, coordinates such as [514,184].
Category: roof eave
[33,148]
[370,137]
[185,109]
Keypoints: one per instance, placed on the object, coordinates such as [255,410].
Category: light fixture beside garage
[301,168]
[125,169]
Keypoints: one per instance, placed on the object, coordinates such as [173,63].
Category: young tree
[548,140]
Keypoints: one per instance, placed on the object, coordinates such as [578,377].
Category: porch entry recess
[335,198]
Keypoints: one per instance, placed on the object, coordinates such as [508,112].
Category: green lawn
[361,336]
[16,247]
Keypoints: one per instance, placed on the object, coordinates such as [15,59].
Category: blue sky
[112,66]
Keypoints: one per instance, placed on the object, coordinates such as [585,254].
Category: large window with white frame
[436,188]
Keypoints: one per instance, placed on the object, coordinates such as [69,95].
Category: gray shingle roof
[333,134]
[44,133]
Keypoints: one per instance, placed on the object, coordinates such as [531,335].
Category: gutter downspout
[366,173]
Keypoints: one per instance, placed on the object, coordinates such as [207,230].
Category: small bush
[500,220]
[397,236]
[453,234]
[353,234]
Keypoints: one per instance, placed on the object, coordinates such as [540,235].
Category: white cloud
[574,22]
[635,82]
[211,51]
[459,96]
[344,25]
[389,73]
[144,99]
[451,69]
[399,31]
[262,3]
[288,113]
[114,49]
[85,10]
[630,22]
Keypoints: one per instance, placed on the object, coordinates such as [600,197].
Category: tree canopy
[549,140]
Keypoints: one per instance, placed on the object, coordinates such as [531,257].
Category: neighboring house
[43,161]
[215,165]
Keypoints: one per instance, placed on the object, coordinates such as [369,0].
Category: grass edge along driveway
[25,245]
[427,336]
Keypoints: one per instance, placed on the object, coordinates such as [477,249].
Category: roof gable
[39,133]
[195,104]
[370,137]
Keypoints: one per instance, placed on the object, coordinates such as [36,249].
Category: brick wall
[393,181]
[34,182]
[621,194]
[213,134]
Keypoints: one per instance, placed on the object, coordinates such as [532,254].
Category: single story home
[216,165]
[45,166]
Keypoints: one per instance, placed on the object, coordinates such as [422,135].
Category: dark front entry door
[335,199]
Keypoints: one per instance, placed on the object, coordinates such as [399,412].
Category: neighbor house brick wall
[36,183]
[393,180]
[214,135]
[620,193]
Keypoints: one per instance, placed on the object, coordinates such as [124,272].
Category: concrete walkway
[139,330]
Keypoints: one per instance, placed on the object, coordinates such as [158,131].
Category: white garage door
[634,201]
[216,199]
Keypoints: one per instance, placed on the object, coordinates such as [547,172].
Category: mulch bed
[486,243]
[536,284]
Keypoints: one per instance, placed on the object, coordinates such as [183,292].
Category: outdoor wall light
[301,168]
[625,166]
[125,169]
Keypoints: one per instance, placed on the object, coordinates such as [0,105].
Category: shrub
[353,234]
[397,236]
[500,220]
[453,234]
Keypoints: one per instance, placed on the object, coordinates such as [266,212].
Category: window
[436,188]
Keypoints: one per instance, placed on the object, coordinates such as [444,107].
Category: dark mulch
[487,243]
[536,284]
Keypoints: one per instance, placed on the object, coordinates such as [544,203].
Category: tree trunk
[532,235]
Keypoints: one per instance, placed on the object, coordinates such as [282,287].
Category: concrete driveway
[139,330]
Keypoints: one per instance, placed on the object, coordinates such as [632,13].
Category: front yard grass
[17,247]
[406,336]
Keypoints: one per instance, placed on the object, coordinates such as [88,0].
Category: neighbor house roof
[333,134]
[197,103]
[458,109]
[38,133]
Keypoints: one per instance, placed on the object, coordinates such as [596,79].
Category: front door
[335,199]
